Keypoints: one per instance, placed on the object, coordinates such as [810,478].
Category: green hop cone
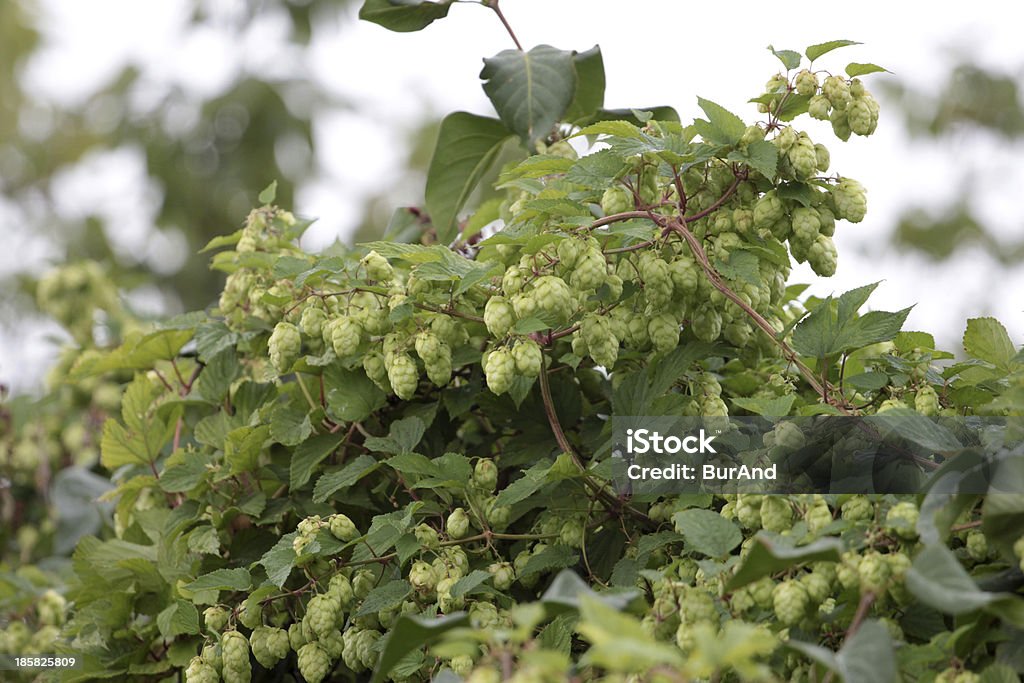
[343,528]
[284,346]
[313,662]
[806,224]
[616,200]
[250,613]
[977,545]
[768,209]
[429,347]
[422,577]
[296,638]
[776,514]
[403,376]
[663,330]
[803,157]
[1018,551]
[785,140]
[322,614]
[926,401]
[806,83]
[752,134]
[235,655]
[199,671]
[837,90]
[863,115]
[376,370]
[345,334]
[790,602]
[657,281]
[568,251]
[591,270]
[817,586]
[819,107]
[528,357]
[499,369]
[312,321]
[685,274]
[216,617]
[553,297]
[706,323]
[426,536]
[850,199]
[499,316]
[377,267]
[512,281]
[502,575]
[840,124]
[340,590]
[485,474]
[269,645]
[873,572]
[901,520]
[601,341]
[858,509]
[457,524]
[822,256]
[823,159]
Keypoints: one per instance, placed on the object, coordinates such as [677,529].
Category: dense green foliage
[393,461]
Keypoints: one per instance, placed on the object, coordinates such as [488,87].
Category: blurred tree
[974,101]
[206,157]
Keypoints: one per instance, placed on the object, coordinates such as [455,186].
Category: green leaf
[769,555]
[403,437]
[999,673]
[727,125]
[269,193]
[183,471]
[309,454]
[332,482]
[404,16]
[815,51]
[868,655]
[386,596]
[937,579]
[469,582]
[524,487]
[279,560]
[243,446]
[789,58]
[742,266]
[552,557]
[853,69]
[775,406]
[138,352]
[531,91]
[178,618]
[590,83]
[351,395]
[760,155]
[467,145]
[619,643]
[707,532]
[798,192]
[290,424]
[567,590]
[827,330]
[411,632]
[237,579]
[987,340]
[597,170]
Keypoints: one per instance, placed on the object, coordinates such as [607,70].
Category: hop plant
[499,368]
[553,297]
[901,520]
[216,617]
[345,334]
[269,645]
[857,509]
[926,401]
[284,346]
[591,270]
[498,316]
[819,107]
[313,662]
[377,267]
[663,331]
[485,474]
[322,614]
[873,572]
[235,656]
[198,671]
[616,200]
[837,90]
[790,602]
[457,524]
[403,376]
[601,341]
[776,514]
[528,357]
[342,528]
[850,200]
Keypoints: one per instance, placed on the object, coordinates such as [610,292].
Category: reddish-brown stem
[493,4]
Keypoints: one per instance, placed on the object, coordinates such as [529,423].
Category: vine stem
[608,499]
[866,600]
[493,4]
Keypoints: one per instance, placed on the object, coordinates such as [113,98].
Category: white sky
[655,52]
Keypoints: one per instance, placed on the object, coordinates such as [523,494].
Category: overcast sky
[655,52]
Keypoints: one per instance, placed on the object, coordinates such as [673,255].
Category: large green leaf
[590,82]
[708,532]
[467,145]
[815,51]
[938,580]
[410,632]
[309,454]
[829,329]
[728,128]
[531,91]
[987,339]
[404,16]
[770,555]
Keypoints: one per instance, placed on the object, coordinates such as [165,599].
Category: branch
[866,600]
[493,4]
